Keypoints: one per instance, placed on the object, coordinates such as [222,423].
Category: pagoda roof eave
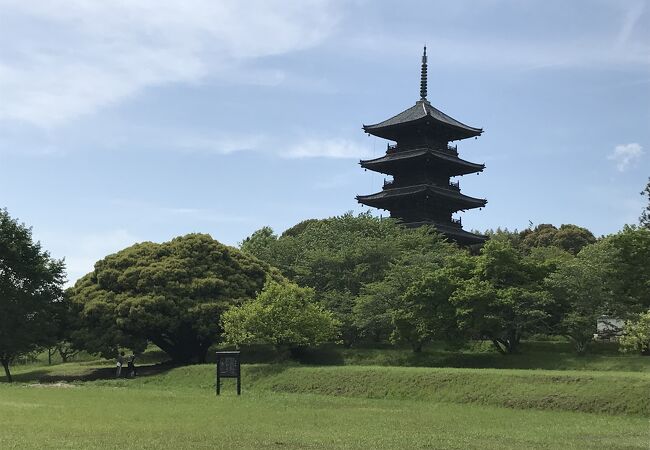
[454,233]
[376,200]
[411,154]
[420,112]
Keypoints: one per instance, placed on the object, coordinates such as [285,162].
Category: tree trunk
[512,342]
[297,352]
[497,344]
[179,354]
[5,364]
[202,353]
[581,346]
[417,347]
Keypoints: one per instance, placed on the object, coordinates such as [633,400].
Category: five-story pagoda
[421,163]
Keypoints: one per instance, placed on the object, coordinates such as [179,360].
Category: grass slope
[593,392]
[619,393]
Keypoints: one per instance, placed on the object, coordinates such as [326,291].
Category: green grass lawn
[293,406]
[93,416]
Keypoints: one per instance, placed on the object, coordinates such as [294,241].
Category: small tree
[30,285]
[284,315]
[260,244]
[380,312]
[633,267]
[66,319]
[637,335]
[584,289]
[503,300]
[425,311]
[644,219]
[568,237]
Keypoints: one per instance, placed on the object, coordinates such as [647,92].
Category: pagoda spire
[423,76]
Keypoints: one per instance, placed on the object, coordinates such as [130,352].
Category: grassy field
[293,406]
[109,417]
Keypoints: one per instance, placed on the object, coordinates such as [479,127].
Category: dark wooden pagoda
[421,163]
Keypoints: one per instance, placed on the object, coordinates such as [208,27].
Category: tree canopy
[383,311]
[568,237]
[584,288]
[283,314]
[338,256]
[425,311]
[30,286]
[637,334]
[503,300]
[633,268]
[172,294]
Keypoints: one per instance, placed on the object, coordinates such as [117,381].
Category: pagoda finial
[423,76]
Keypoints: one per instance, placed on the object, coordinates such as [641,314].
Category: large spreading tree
[171,294]
[30,286]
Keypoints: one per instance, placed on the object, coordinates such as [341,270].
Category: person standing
[120,363]
[131,366]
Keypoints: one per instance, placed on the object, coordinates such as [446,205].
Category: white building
[608,327]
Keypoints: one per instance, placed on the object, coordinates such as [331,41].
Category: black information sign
[228,366]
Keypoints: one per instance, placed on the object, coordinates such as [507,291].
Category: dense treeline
[387,283]
[350,279]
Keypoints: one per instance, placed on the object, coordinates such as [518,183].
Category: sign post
[228,366]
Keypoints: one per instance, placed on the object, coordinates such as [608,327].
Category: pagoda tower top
[422,119]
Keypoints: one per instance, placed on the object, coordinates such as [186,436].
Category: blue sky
[142,120]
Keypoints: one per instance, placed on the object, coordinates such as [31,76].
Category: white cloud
[327,148]
[626,155]
[336,148]
[224,144]
[62,59]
